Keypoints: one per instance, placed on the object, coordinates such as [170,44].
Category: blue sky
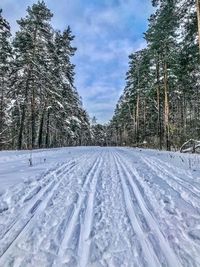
[106,31]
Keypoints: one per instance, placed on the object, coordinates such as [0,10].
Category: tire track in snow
[148,251]
[180,220]
[51,238]
[71,224]
[165,168]
[24,202]
[31,210]
[126,236]
[189,196]
[175,216]
[148,245]
[178,170]
[27,205]
[165,188]
[39,242]
[84,239]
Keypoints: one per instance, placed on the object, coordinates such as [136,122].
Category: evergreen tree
[30,45]
[161,97]
[5,58]
[42,104]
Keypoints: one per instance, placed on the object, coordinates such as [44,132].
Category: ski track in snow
[112,207]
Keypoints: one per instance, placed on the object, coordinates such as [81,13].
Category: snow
[14,165]
[97,206]
[75,119]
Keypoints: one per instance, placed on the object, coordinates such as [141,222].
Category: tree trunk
[198,19]
[1,115]
[40,136]
[33,119]
[159,126]
[47,129]
[131,114]
[21,127]
[33,96]
[166,108]
[137,118]
[144,118]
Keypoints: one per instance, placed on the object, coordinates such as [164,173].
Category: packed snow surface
[96,207]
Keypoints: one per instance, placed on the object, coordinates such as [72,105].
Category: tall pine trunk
[24,107]
[41,125]
[159,126]
[144,121]
[198,19]
[166,108]
[137,118]
[1,115]
[33,119]
[47,129]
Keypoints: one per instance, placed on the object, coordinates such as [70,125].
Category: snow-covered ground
[95,207]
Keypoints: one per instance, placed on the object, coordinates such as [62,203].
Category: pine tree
[161,97]
[39,101]
[5,58]
[30,46]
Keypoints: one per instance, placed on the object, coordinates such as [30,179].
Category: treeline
[160,105]
[39,104]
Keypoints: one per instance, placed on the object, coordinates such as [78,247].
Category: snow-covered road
[95,207]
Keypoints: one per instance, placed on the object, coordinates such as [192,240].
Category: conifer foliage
[160,105]
[39,104]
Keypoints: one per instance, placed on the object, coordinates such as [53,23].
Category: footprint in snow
[194,234]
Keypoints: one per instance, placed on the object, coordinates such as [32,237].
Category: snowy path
[96,207]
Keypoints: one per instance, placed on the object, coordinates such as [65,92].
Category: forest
[160,104]
[39,104]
